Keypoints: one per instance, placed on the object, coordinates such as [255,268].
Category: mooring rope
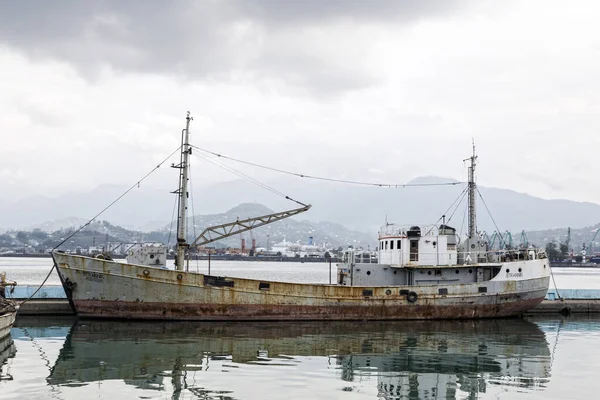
[39,287]
[137,184]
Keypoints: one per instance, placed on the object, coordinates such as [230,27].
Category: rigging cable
[462,225]
[256,182]
[490,214]
[464,196]
[328,179]
[39,287]
[565,309]
[193,211]
[172,220]
[460,196]
[137,184]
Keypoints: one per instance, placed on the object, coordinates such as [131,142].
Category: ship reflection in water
[420,360]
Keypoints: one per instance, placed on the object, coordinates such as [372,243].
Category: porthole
[520,270]
[395,272]
[179,277]
[146,272]
[151,255]
[457,271]
[428,272]
[368,272]
[388,292]
[470,271]
[507,270]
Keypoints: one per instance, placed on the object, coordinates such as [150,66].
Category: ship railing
[358,257]
[444,258]
[500,256]
[402,230]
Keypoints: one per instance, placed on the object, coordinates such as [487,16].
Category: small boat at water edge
[8,309]
[422,273]
[8,315]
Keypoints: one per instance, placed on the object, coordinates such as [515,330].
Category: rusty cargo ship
[422,273]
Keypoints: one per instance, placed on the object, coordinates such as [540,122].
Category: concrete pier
[46,307]
[566,307]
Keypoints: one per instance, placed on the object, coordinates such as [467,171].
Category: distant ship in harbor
[290,249]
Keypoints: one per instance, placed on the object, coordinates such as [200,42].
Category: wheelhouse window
[391,245]
[386,244]
[398,244]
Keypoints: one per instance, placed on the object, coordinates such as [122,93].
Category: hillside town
[562,245]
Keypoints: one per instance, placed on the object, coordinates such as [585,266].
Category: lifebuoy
[411,297]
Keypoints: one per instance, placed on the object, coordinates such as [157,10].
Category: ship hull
[107,289]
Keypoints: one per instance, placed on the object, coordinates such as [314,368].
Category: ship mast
[472,189]
[183,194]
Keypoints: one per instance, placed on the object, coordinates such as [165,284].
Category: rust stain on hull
[215,312]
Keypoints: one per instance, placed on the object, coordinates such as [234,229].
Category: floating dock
[51,300]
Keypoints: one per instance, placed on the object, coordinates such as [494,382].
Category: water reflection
[416,360]
[7,351]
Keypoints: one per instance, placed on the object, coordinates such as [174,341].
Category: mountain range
[358,208]
[100,232]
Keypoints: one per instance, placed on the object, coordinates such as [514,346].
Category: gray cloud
[286,12]
[207,39]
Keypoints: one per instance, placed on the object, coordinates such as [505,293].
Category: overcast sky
[96,92]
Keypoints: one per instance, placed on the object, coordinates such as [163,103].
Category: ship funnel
[414,232]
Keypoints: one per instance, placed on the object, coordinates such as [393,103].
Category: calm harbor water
[508,359]
[62,358]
